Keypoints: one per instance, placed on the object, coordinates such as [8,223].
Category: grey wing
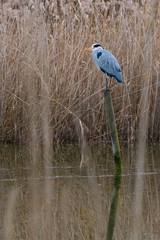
[109,65]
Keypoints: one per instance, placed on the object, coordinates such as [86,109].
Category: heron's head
[95,47]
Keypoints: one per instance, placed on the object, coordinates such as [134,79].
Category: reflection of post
[113,130]
[114,205]
[118,164]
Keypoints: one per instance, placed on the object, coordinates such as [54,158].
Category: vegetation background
[47,83]
[50,93]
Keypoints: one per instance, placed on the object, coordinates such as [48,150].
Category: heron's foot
[106,90]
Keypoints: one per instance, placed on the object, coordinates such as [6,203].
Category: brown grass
[46,81]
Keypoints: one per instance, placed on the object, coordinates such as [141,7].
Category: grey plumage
[106,62]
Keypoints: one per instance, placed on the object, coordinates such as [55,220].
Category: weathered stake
[118,164]
[113,130]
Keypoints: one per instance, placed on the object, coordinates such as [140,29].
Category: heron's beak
[87,49]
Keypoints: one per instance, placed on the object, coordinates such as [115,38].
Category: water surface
[61,201]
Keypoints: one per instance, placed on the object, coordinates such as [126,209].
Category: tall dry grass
[46,82]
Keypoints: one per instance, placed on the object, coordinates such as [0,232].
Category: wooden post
[118,164]
[113,130]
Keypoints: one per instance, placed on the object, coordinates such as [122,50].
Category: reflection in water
[79,204]
[114,206]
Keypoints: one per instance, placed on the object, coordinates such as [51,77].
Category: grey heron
[107,63]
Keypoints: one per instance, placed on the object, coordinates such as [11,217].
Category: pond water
[62,201]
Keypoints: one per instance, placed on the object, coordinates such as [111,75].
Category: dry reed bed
[47,82]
